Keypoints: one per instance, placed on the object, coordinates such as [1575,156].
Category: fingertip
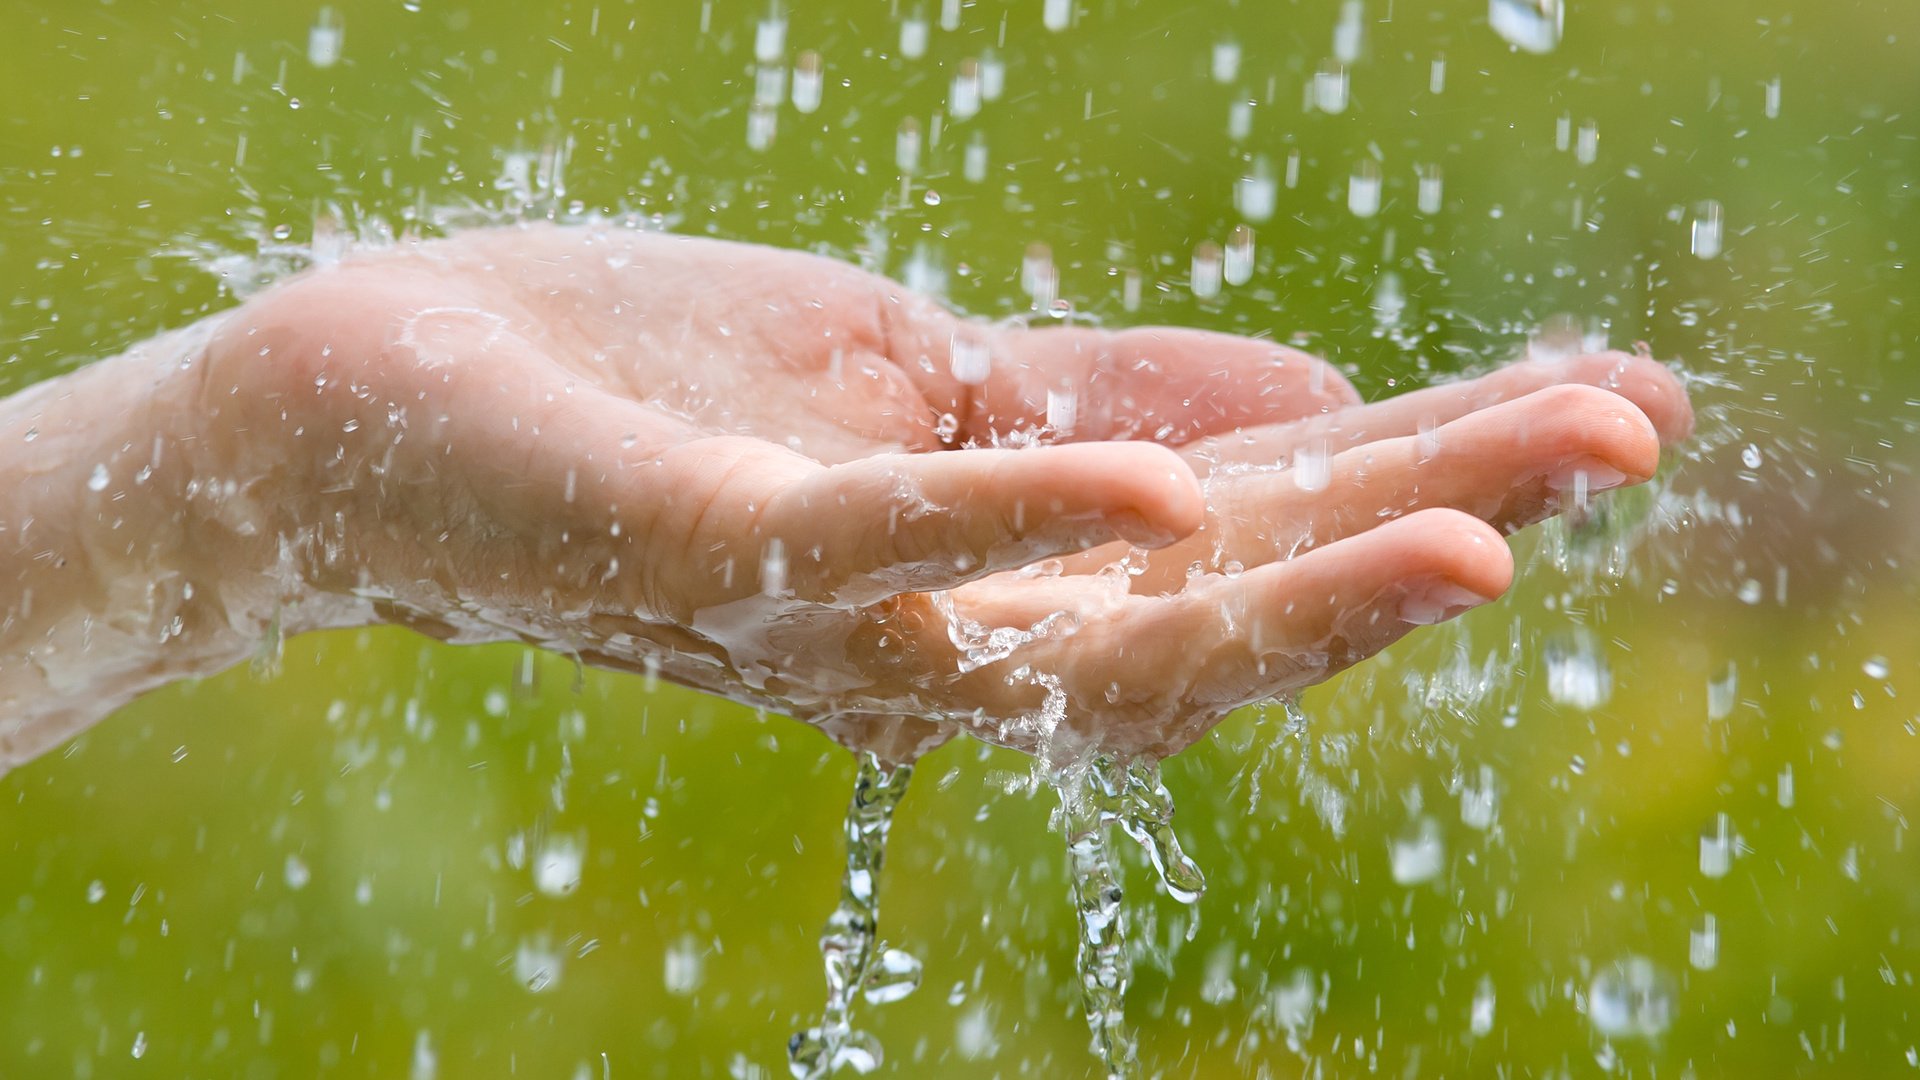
[1450,548]
[1154,498]
[1650,385]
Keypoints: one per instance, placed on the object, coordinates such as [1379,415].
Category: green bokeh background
[318,872]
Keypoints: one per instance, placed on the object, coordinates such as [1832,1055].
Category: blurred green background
[336,870]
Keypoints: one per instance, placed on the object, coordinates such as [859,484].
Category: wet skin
[756,472]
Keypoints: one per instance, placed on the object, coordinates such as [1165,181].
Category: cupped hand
[776,477]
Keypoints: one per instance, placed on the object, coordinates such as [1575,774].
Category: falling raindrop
[1771,88]
[969,356]
[974,167]
[98,479]
[809,79]
[1480,1016]
[1721,692]
[1238,268]
[963,99]
[1350,32]
[1707,229]
[1312,466]
[906,146]
[914,32]
[1587,149]
[1430,191]
[556,869]
[1703,944]
[1577,672]
[1256,194]
[325,39]
[1226,60]
[1532,25]
[1057,15]
[1630,998]
[770,37]
[1206,270]
[1419,858]
[1716,848]
[762,122]
[1330,87]
[1437,75]
[993,75]
[1239,119]
[1363,189]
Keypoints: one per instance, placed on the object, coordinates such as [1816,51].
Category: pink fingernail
[1425,605]
[1592,473]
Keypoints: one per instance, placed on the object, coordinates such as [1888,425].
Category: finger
[1151,673]
[1649,385]
[1511,465]
[1165,384]
[859,532]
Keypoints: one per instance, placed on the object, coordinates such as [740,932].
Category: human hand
[781,479]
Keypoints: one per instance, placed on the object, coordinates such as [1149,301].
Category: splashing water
[856,960]
[1095,795]
[1532,25]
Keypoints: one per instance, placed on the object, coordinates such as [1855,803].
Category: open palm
[782,479]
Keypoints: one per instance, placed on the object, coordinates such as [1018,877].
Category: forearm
[113,577]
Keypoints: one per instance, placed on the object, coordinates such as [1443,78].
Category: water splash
[1532,25]
[856,960]
[1094,796]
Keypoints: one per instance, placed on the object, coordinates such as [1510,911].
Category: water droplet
[1532,25]
[1721,693]
[949,14]
[296,873]
[769,85]
[1363,189]
[325,38]
[1238,268]
[1226,60]
[993,75]
[763,122]
[1707,230]
[809,81]
[556,870]
[1430,197]
[1206,270]
[975,165]
[969,357]
[1312,466]
[1630,998]
[1716,848]
[906,146]
[1876,668]
[1063,410]
[536,964]
[894,975]
[1350,32]
[1577,672]
[1330,87]
[1478,802]
[1783,788]
[1703,944]
[1057,15]
[685,966]
[914,32]
[1587,149]
[96,891]
[963,98]
[1239,119]
[1437,75]
[139,1044]
[773,568]
[1256,194]
[770,38]
[99,479]
[1419,858]
[1480,1018]
[1750,456]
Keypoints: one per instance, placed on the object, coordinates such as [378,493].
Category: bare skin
[756,472]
